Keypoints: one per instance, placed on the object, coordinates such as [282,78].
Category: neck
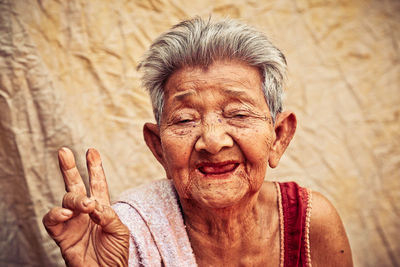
[222,227]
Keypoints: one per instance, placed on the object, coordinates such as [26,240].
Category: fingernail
[64,155]
[67,212]
[93,156]
[86,202]
[64,149]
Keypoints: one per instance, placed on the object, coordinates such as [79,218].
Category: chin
[219,197]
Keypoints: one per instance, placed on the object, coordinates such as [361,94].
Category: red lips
[211,168]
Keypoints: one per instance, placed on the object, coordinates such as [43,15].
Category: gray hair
[198,42]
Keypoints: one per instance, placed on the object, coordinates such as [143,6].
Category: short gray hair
[198,42]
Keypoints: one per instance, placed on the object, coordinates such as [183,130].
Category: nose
[214,137]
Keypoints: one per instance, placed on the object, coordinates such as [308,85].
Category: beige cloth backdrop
[68,78]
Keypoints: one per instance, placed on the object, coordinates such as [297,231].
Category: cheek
[256,145]
[177,149]
[177,155]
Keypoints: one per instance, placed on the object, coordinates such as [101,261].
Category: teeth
[217,169]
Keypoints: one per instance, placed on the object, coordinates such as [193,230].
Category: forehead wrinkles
[181,91]
[218,72]
[194,80]
[193,85]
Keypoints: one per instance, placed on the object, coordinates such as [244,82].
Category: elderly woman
[216,92]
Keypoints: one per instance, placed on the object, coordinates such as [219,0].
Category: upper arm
[328,241]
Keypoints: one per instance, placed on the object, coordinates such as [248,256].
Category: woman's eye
[184,121]
[237,114]
[240,116]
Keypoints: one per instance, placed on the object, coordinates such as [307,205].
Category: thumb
[106,217]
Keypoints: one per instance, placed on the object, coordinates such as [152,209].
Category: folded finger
[54,220]
[78,203]
[97,178]
[106,217]
[72,179]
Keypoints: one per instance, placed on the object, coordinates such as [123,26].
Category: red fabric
[294,206]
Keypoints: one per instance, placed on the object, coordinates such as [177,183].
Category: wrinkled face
[216,133]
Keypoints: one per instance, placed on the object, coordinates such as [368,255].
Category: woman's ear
[285,127]
[151,134]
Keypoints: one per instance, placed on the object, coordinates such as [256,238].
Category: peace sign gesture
[87,230]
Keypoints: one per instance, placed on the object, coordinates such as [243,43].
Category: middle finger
[72,179]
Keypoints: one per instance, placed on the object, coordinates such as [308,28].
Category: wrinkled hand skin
[87,230]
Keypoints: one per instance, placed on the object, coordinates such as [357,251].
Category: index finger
[72,179]
[97,178]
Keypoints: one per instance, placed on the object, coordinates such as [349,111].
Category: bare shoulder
[328,239]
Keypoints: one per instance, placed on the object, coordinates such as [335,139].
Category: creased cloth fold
[154,218]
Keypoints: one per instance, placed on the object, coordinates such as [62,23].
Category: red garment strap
[296,207]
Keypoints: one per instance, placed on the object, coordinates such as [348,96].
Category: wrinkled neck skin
[224,225]
[237,235]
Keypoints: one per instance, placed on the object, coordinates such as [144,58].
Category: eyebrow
[182,95]
[240,95]
[236,93]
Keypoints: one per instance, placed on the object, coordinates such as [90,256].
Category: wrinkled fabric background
[68,78]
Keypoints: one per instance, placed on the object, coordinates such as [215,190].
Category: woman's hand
[87,230]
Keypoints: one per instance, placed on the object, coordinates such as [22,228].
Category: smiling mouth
[217,168]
